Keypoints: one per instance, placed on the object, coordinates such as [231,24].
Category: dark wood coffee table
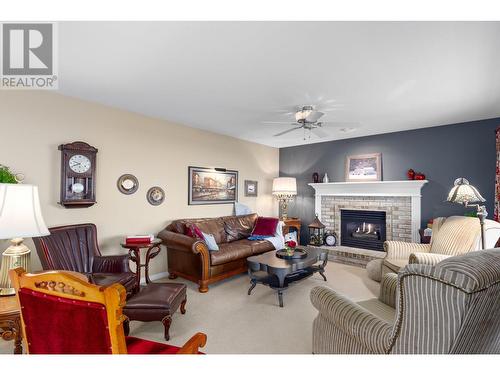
[268,269]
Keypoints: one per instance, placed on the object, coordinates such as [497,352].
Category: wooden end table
[10,322]
[278,274]
[152,248]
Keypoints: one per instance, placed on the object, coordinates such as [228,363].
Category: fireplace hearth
[363,229]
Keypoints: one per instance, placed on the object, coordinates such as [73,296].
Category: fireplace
[364,229]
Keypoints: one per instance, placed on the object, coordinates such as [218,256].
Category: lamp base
[6,292]
[16,255]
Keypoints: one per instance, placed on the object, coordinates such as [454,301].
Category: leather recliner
[75,248]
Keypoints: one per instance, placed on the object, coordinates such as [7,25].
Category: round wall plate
[155,195]
[128,184]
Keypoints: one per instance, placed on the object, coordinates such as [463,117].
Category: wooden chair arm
[194,344]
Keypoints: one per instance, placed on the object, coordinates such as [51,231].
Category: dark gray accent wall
[442,153]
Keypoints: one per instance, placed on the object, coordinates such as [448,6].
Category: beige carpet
[237,323]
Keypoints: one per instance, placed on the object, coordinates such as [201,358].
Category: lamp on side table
[20,216]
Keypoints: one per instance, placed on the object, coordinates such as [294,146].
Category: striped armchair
[450,308]
[454,235]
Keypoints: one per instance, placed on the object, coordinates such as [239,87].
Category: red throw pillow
[265,226]
[193,231]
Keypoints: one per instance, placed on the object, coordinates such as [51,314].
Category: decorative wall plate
[128,184]
[155,195]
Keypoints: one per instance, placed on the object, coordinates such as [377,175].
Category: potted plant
[6,176]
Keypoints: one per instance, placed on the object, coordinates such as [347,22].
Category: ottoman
[156,302]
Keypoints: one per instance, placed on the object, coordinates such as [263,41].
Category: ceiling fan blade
[338,123]
[278,122]
[287,131]
[314,116]
[318,132]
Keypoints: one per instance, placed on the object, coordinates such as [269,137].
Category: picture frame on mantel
[366,167]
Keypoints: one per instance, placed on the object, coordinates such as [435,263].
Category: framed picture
[363,167]
[212,186]
[251,188]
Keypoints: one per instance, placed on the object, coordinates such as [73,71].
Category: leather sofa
[75,248]
[190,258]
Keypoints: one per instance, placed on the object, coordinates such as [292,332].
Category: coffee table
[278,274]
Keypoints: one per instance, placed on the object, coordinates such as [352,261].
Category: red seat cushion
[136,345]
[265,226]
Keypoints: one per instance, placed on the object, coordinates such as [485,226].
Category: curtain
[497,178]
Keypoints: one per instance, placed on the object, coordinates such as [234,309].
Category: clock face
[79,163]
[330,240]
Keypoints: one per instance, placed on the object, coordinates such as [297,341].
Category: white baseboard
[154,277]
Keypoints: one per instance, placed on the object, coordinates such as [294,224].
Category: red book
[133,241]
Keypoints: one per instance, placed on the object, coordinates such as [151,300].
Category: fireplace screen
[364,229]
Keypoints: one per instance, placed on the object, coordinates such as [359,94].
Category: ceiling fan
[307,118]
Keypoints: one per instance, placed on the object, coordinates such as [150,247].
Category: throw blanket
[277,241]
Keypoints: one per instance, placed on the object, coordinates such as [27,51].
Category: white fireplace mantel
[408,188]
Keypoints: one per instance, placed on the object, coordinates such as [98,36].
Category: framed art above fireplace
[212,186]
[367,167]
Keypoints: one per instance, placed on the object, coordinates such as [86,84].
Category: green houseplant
[6,176]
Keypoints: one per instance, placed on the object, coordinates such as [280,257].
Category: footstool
[156,302]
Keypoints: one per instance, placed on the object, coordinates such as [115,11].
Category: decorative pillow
[265,226]
[193,231]
[210,241]
[241,209]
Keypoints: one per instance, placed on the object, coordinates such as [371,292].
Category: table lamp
[20,216]
[464,193]
[284,189]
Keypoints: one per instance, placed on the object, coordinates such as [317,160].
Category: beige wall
[157,152]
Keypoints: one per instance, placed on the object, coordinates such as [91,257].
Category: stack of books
[139,239]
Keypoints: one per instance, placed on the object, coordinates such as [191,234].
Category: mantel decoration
[366,167]
[155,196]
[464,193]
[127,184]
[212,186]
[316,232]
[284,189]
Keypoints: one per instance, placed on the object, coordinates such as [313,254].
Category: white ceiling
[229,77]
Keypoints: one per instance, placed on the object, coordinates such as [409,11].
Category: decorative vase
[410,174]
[315,177]
[325,178]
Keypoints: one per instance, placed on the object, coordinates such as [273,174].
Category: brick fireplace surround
[401,200]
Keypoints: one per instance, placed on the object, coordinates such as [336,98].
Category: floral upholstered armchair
[454,235]
[460,313]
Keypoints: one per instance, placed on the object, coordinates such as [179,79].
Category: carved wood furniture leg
[135,256]
[254,284]
[10,329]
[167,321]
[183,306]
[150,254]
[203,286]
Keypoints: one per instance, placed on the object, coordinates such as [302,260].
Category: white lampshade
[464,193]
[20,213]
[285,185]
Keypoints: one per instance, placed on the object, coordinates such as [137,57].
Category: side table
[10,322]
[153,248]
[292,222]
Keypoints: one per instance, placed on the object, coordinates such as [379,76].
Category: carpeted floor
[237,323]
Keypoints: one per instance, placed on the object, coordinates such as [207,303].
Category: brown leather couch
[75,248]
[190,258]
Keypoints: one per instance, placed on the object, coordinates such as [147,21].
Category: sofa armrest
[402,250]
[111,264]
[368,330]
[177,241]
[388,289]
[430,259]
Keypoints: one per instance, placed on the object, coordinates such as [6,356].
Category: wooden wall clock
[78,174]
